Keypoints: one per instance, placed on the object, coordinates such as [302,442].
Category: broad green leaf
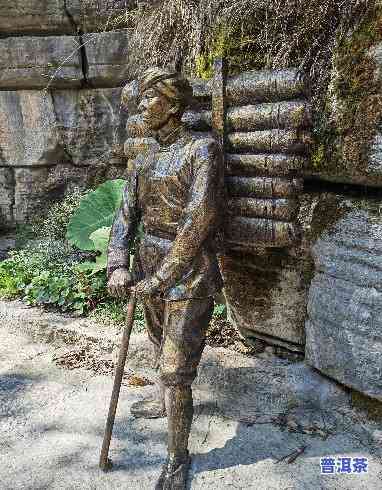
[100,239]
[96,210]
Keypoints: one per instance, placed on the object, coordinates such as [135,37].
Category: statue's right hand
[119,283]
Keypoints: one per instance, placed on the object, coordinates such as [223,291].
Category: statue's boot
[180,411]
[150,409]
[174,474]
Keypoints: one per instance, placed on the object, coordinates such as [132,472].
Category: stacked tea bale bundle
[265,265]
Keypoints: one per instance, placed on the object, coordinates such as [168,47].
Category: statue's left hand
[148,287]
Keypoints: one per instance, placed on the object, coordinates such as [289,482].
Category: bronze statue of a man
[175,194]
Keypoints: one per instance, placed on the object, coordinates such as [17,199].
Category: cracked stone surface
[30,62]
[344,324]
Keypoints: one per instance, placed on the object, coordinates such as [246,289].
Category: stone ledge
[33,62]
[61,16]
[97,60]
[34,16]
[106,57]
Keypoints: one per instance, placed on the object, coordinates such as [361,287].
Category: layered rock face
[344,325]
[62,63]
[61,16]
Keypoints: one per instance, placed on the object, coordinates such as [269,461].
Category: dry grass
[280,33]
[256,34]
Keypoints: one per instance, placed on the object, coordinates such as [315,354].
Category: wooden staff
[105,463]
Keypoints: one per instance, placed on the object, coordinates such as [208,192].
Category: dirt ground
[52,420]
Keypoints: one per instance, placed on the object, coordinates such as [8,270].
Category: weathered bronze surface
[264,86]
[272,140]
[276,164]
[174,193]
[263,186]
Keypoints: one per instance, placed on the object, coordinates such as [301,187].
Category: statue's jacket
[174,201]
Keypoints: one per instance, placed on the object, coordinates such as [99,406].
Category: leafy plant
[220,311]
[100,239]
[113,312]
[14,274]
[24,233]
[51,271]
[54,224]
[96,210]
[44,275]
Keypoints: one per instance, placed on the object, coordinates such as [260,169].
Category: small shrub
[54,225]
[220,311]
[15,274]
[49,275]
[109,312]
[51,271]
[24,233]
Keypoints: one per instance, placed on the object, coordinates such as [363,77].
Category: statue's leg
[185,325]
[154,316]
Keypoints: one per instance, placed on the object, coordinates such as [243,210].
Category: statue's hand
[119,283]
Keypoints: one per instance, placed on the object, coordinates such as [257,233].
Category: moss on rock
[352,109]
[236,45]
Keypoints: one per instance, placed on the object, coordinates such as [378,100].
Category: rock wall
[62,63]
[343,326]
[348,128]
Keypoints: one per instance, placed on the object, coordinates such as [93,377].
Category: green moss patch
[352,107]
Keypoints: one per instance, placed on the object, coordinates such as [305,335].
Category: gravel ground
[52,420]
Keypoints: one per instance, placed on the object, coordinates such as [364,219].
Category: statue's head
[164,95]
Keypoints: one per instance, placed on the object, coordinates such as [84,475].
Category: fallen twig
[291,457]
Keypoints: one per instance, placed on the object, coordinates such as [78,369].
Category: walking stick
[105,463]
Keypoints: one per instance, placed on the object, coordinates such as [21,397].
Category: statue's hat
[171,84]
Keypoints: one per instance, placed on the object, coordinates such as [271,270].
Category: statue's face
[156,109]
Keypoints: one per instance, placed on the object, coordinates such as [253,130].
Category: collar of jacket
[172,137]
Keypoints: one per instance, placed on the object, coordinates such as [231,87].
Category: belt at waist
[160,234]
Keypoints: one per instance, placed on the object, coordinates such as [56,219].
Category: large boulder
[40,62]
[106,58]
[344,325]
[28,132]
[91,125]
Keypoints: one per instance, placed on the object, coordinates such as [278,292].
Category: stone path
[52,420]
